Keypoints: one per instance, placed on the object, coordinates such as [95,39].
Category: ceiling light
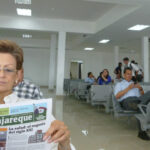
[26,36]
[24,12]
[27,2]
[138,27]
[88,48]
[104,41]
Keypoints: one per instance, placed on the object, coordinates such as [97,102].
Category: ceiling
[59,9]
[85,21]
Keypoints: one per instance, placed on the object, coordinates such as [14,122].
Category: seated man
[130,95]
[90,78]
[26,89]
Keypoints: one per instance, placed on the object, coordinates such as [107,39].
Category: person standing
[133,67]
[118,71]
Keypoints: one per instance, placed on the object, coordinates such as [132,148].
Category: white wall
[36,65]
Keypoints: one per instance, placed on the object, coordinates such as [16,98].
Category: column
[60,62]
[145,57]
[116,55]
[52,66]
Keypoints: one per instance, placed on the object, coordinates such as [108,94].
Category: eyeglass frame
[8,71]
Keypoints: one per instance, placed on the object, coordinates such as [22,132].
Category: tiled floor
[93,129]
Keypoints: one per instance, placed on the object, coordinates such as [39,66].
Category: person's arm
[100,82]
[37,93]
[58,133]
[123,92]
[104,78]
[94,78]
[140,88]
[115,71]
[135,67]
[87,80]
[109,79]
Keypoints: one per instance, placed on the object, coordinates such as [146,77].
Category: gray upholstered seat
[144,118]
[119,111]
[101,95]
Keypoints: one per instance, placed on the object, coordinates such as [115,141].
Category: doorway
[76,68]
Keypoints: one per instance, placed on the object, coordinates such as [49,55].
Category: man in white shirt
[130,95]
[90,78]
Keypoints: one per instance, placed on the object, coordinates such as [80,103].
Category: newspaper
[23,125]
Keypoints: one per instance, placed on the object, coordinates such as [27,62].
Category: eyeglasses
[8,71]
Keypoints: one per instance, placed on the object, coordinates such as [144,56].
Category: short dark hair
[126,59]
[127,68]
[120,63]
[133,61]
[89,73]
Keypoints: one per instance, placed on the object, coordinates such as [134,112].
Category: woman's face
[8,72]
[105,73]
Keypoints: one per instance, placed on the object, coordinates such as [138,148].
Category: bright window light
[138,27]
[26,36]
[27,2]
[24,12]
[88,48]
[104,41]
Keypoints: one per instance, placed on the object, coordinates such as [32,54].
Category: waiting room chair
[82,91]
[119,111]
[101,95]
[144,118]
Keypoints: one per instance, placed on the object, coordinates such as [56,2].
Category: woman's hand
[104,78]
[58,133]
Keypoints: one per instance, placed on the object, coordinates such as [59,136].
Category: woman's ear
[19,75]
[16,82]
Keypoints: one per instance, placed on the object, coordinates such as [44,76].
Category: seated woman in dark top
[105,78]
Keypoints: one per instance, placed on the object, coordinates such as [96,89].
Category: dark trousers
[131,103]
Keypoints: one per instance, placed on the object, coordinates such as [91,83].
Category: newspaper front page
[23,125]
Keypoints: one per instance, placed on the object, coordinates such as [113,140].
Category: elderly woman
[11,61]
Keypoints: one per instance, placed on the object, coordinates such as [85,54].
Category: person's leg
[131,103]
[142,134]
[145,99]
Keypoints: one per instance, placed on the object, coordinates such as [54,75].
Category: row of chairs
[103,95]
[94,94]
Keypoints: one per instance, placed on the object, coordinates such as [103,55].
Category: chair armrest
[92,93]
[142,110]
